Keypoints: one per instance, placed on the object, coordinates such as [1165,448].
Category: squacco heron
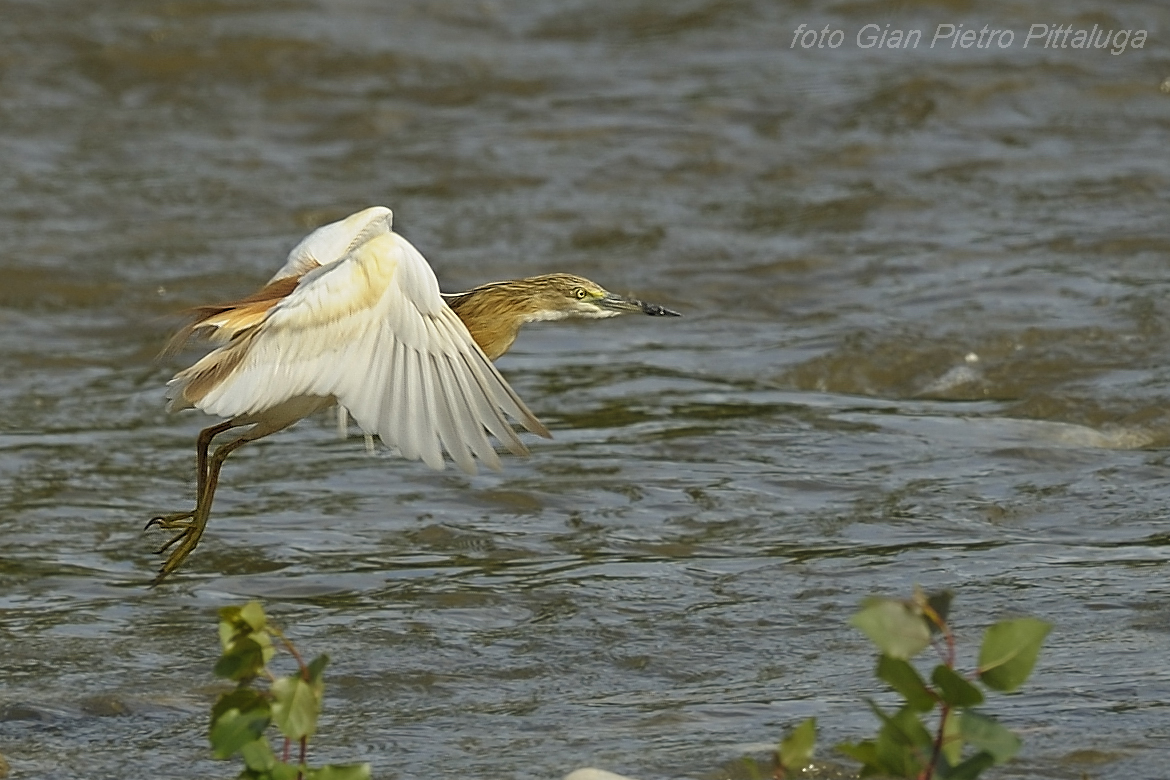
[355,318]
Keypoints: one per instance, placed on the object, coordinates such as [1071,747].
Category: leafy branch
[965,741]
[241,717]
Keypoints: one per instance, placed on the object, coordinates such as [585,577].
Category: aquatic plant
[965,741]
[241,717]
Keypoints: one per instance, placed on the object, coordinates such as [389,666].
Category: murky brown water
[926,341]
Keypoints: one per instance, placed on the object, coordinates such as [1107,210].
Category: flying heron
[355,318]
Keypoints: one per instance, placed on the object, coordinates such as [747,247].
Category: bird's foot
[175,521]
[171,521]
[190,528]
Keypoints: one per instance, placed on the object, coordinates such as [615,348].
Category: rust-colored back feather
[233,317]
[200,378]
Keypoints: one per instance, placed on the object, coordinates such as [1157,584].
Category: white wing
[372,331]
[324,246]
[329,243]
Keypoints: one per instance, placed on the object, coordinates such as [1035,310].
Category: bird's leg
[182,521]
[175,520]
[201,446]
[191,530]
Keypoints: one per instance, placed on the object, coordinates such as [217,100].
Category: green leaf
[317,667]
[245,624]
[904,726]
[896,627]
[1009,652]
[865,752]
[283,771]
[903,743]
[952,740]
[340,772]
[295,706]
[971,768]
[229,618]
[751,769]
[253,614]
[796,749]
[955,690]
[243,659]
[232,727]
[242,699]
[895,758]
[243,620]
[258,755]
[987,734]
[904,679]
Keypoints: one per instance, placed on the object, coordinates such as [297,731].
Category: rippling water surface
[926,341]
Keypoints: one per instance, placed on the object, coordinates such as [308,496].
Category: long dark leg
[179,519]
[201,445]
[192,524]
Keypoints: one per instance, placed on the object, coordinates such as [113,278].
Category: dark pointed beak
[620,304]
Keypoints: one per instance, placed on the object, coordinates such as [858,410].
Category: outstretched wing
[220,323]
[329,243]
[372,331]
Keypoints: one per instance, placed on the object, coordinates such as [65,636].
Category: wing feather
[449,409]
[465,414]
[450,420]
[393,413]
[406,398]
[329,243]
[372,331]
[491,416]
[432,446]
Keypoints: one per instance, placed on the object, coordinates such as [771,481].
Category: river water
[926,340]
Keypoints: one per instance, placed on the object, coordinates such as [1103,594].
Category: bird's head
[494,312]
[562,296]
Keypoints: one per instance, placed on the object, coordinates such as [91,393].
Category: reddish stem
[292,651]
[928,770]
[304,669]
[304,753]
[948,658]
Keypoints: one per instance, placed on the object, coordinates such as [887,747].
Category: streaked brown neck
[494,312]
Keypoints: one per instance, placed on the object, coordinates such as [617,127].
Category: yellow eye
[580,293]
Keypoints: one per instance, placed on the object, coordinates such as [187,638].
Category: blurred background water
[925,341]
